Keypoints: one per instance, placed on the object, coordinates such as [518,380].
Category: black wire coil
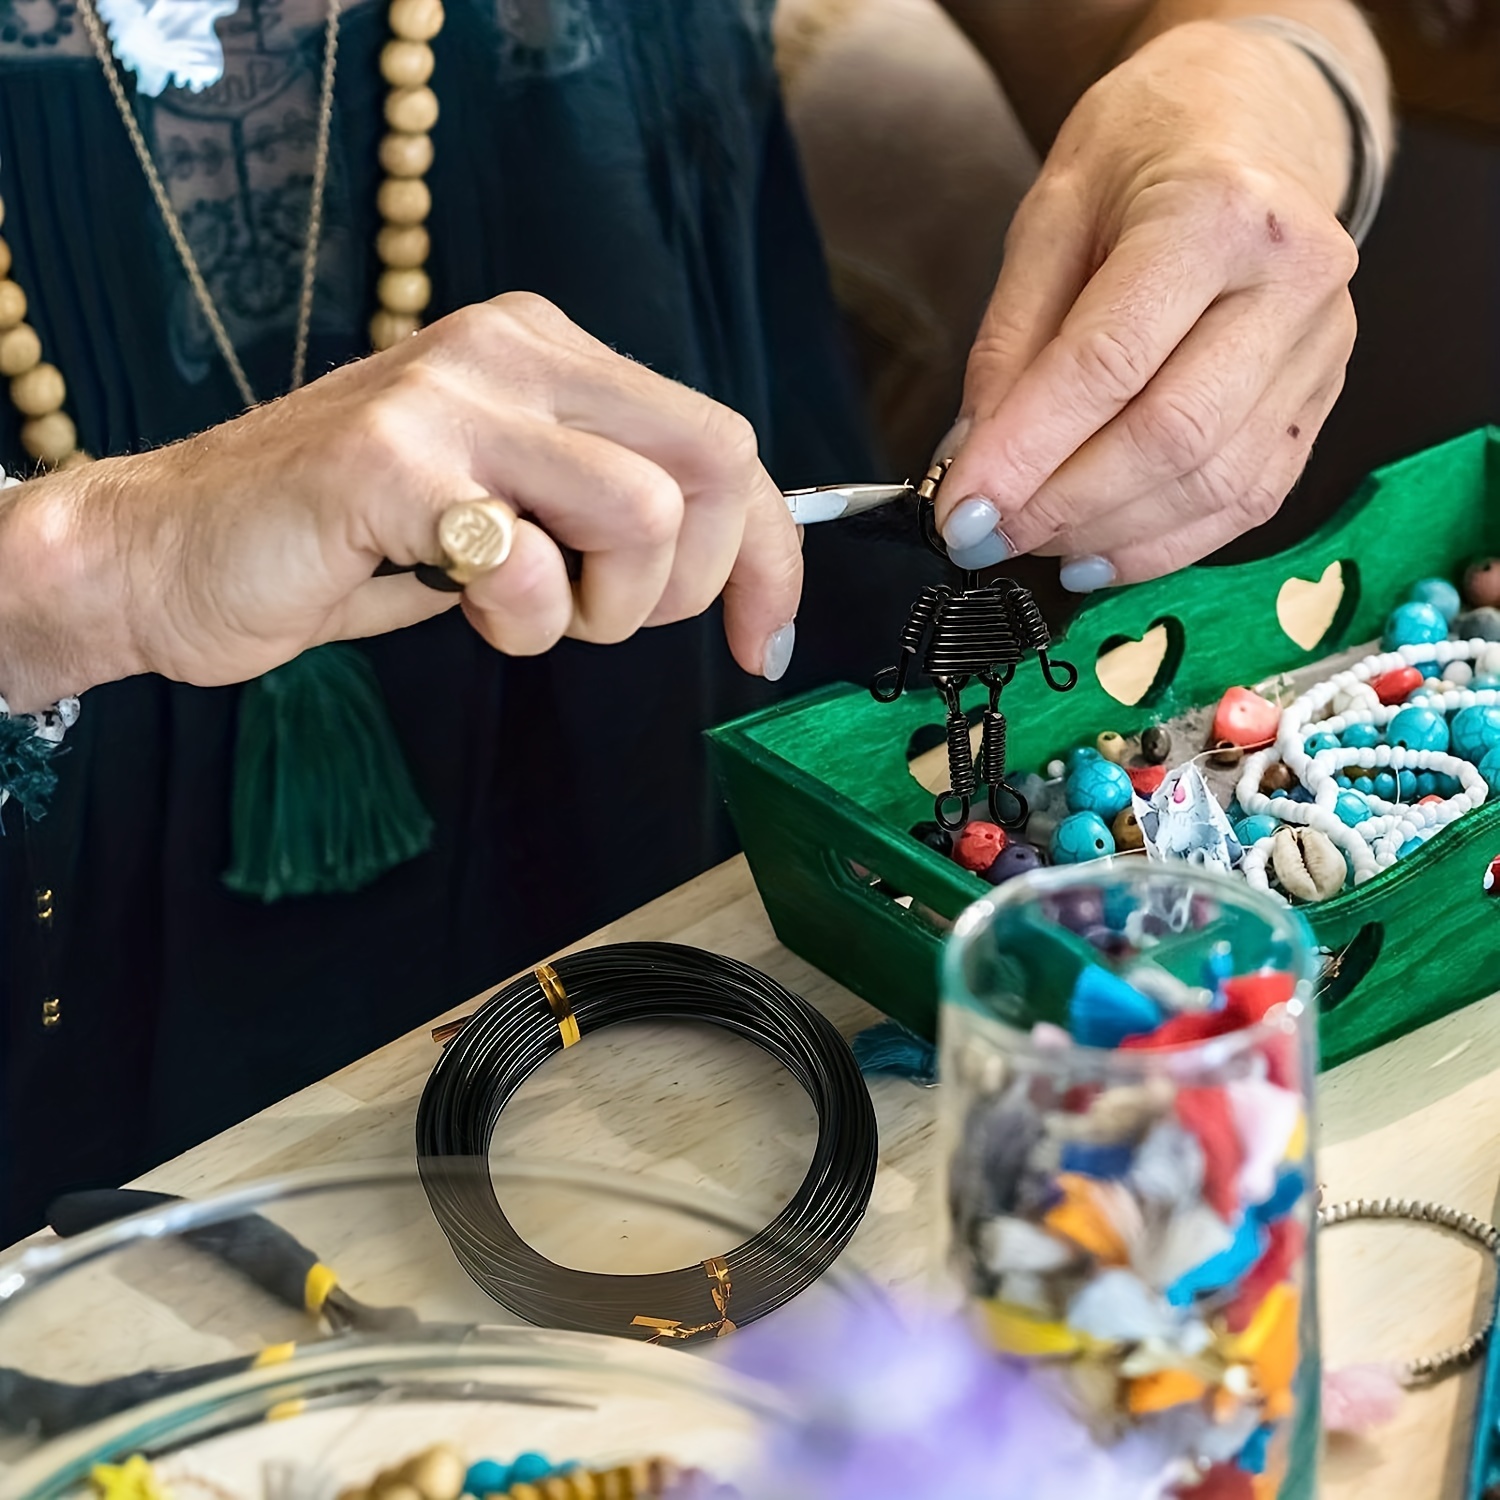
[517,1030]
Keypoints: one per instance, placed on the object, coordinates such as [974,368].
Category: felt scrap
[1223,1269]
[1290,1186]
[1182,1031]
[1265,1118]
[1269,1346]
[1283,1247]
[1010,1244]
[1108,1163]
[1014,1330]
[1223,1482]
[1117,1307]
[1193,1234]
[1164,1390]
[1361,1397]
[1183,821]
[1105,1009]
[1207,1114]
[1251,996]
[1168,1168]
[1099,1217]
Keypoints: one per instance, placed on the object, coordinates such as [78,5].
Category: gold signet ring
[476,537]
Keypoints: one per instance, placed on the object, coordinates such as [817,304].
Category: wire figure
[971,632]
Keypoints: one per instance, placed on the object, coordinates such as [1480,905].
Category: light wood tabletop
[1418,1118]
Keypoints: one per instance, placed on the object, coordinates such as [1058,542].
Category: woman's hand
[1173,319]
[216,559]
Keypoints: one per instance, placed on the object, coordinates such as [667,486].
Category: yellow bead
[51,440]
[1112,747]
[4,259]
[12,304]
[406,155]
[411,110]
[415,20]
[404,246]
[39,391]
[438,1473]
[405,65]
[20,349]
[401,200]
[404,291]
[387,329]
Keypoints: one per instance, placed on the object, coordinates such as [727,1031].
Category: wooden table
[1419,1118]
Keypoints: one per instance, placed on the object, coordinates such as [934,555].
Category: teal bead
[1448,786]
[1485,682]
[1277,794]
[1440,594]
[1429,669]
[1099,786]
[528,1468]
[1413,625]
[1406,785]
[1418,729]
[1385,786]
[1427,784]
[1476,731]
[1081,757]
[1409,847]
[487,1477]
[1360,737]
[1317,742]
[1342,780]
[1351,808]
[1253,829]
[1489,768]
[1081,836]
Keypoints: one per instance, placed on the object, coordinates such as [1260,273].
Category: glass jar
[1127,1053]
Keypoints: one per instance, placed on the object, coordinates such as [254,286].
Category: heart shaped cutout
[1140,671]
[1310,612]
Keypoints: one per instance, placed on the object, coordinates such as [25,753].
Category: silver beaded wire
[1428,1369]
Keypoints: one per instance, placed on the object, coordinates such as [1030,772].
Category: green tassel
[26,765]
[323,802]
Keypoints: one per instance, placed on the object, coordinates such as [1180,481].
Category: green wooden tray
[821,794]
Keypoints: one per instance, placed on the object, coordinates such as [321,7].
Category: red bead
[1146,779]
[1492,877]
[978,845]
[1398,685]
[1245,719]
[1205,1113]
[1423,801]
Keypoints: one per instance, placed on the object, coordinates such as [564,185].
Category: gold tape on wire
[320,1282]
[273,1354]
[720,1286]
[557,998]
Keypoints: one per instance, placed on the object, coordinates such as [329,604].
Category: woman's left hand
[1172,322]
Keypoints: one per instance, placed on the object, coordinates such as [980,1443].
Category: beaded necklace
[37,388]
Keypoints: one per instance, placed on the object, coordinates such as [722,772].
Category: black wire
[515,1032]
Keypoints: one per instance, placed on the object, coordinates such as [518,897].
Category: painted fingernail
[995,548]
[954,439]
[973,521]
[778,655]
[1082,575]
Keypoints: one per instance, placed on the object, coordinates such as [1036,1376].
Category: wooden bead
[2,210]
[39,391]
[404,291]
[52,439]
[4,259]
[406,155]
[12,304]
[387,329]
[411,110]
[404,246]
[405,65]
[415,20]
[401,200]
[437,1473]
[20,349]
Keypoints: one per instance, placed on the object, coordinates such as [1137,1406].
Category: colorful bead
[1360,737]
[1409,847]
[1406,785]
[1146,779]
[1319,742]
[528,1467]
[935,836]
[1112,746]
[1439,593]
[487,1477]
[1253,829]
[1482,583]
[1351,808]
[1413,625]
[1081,836]
[1016,858]
[1489,768]
[1277,777]
[1492,877]
[1386,786]
[1417,729]
[1245,719]
[1476,731]
[1397,685]
[1099,786]
[1126,829]
[1156,744]
[1080,757]
[978,846]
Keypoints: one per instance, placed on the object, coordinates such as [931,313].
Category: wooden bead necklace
[38,390]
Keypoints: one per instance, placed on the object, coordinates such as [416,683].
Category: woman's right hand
[218,558]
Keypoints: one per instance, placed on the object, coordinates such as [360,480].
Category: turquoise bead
[1485,682]
[1418,729]
[1081,757]
[1489,768]
[1413,625]
[1476,731]
[1253,829]
[1278,793]
[1385,786]
[1409,847]
[1360,737]
[1317,742]
[1440,594]
[1351,808]
[1448,786]
[1099,786]
[1429,669]
[1427,784]
[1406,785]
[528,1468]
[487,1477]
[1342,780]
[1081,836]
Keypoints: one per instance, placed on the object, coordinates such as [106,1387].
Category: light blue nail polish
[995,548]
[1082,575]
[778,655]
[972,521]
